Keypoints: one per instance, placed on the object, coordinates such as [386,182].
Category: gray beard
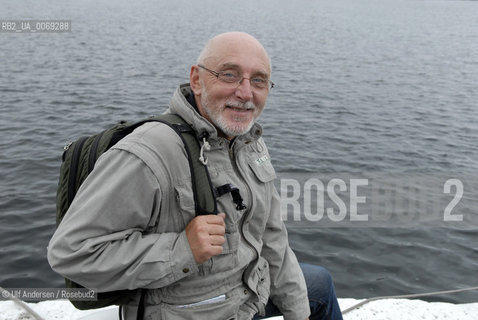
[219,121]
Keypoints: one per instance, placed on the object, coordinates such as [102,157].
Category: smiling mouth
[239,109]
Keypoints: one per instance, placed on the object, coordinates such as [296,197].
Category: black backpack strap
[204,197]
[140,309]
[140,314]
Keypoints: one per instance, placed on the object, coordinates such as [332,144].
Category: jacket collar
[180,105]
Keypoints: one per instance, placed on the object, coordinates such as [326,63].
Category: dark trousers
[321,292]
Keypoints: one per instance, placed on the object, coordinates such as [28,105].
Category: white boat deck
[390,309]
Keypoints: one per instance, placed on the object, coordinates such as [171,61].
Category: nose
[244,90]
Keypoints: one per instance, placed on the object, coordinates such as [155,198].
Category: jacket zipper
[249,191]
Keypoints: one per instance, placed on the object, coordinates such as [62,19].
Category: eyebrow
[235,66]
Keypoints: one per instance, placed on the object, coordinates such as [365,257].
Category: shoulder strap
[204,198]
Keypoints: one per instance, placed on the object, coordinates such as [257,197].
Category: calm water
[363,88]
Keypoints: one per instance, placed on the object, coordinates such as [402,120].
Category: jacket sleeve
[101,243]
[288,288]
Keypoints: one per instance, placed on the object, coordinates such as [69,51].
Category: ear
[194,80]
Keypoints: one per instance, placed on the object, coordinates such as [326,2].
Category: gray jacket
[126,227]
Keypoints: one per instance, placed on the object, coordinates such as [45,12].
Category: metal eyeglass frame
[217,74]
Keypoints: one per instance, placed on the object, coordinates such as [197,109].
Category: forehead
[246,55]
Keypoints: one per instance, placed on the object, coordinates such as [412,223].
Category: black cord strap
[234,191]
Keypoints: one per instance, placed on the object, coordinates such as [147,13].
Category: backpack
[78,161]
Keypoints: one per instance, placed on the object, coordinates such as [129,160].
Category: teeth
[239,108]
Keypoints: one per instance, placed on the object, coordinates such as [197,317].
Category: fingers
[216,219]
[213,251]
[217,240]
[215,229]
[206,236]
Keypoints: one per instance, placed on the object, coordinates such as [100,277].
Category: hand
[206,236]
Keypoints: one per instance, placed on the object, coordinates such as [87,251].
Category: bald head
[220,46]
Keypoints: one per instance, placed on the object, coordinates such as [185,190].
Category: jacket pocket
[228,259]
[226,309]
[262,168]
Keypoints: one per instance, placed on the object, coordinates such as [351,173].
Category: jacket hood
[180,105]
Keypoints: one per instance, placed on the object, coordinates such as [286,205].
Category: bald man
[136,227]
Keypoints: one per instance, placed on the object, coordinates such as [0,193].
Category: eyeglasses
[235,77]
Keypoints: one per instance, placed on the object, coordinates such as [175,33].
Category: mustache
[248,105]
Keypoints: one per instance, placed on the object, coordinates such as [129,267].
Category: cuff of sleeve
[182,259]
[297,311]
